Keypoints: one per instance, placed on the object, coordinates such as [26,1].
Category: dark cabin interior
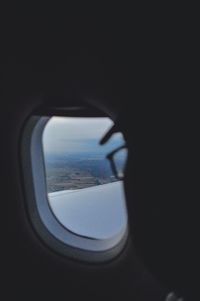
[144,86]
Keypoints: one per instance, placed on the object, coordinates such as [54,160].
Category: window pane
[83,193]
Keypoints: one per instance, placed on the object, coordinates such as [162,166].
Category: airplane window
[73,185]
[84,194]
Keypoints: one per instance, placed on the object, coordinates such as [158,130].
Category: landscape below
[77,171]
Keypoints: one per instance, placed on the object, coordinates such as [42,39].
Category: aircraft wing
[97,212]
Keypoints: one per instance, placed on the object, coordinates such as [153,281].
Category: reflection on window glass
[119,160]
[84,194]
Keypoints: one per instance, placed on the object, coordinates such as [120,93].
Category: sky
[74,135]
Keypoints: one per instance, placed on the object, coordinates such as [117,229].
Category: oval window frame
[56,236]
